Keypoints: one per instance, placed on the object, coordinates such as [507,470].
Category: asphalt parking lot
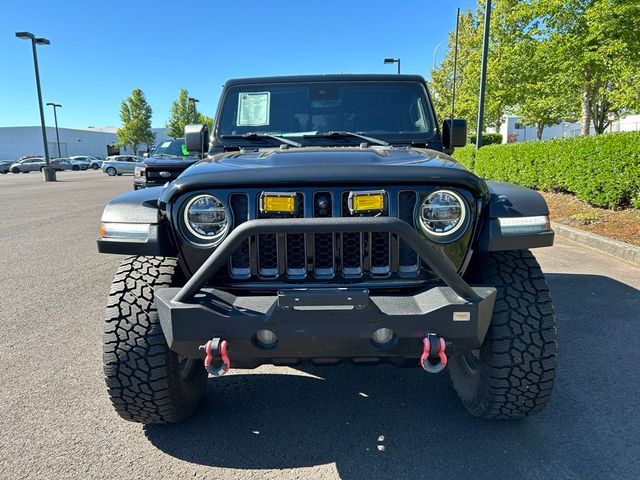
[347,422]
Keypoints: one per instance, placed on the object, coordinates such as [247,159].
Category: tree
[599,41]
[135,114]
[544,98]
[507,28]
[183,112]
[206,120]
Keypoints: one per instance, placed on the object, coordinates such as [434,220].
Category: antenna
[455,75]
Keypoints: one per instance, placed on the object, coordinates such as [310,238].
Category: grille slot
[323,242]
[240,263]
[408,261]
[352,245]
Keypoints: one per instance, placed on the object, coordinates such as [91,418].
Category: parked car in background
[4,165]
[164,164]
[91,161]
[119,164]
[78,163]
[34,164]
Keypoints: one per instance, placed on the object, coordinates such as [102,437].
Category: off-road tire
[145,380]
[512,374]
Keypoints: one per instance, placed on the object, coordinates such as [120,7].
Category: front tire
[111,171]
[146,382]
[512,374]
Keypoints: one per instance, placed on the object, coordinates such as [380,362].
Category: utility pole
[483,72]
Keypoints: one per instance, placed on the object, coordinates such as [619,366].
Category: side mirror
[454,133]
[145,155]
[196,138]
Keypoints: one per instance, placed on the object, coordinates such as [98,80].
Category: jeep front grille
[323,256]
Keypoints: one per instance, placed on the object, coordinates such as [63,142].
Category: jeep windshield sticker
[253,109]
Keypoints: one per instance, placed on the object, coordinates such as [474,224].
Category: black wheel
[111,171]
[95,166]
[512,374]
[15,170]
[75,168]
[147,382]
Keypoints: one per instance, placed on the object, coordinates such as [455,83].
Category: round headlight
[206,217]
[442,213]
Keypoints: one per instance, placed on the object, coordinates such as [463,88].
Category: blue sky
[100,51]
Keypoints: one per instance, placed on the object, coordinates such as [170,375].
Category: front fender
[509,201]
[136,211]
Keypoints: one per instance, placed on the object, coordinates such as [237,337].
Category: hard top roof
[359,77]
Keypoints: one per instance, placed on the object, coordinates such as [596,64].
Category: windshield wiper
[262,136]
[375,141]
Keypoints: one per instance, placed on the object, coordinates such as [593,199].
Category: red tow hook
[216,349]
[434,356]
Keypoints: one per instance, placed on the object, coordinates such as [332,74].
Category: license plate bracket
[327,298]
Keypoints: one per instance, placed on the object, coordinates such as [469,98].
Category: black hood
[326,166]
[170,161]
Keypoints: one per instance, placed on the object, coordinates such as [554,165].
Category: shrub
[487,138]
[603,170]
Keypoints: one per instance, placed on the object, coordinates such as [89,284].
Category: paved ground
[351,423]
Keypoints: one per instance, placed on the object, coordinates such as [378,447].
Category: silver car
[119,164]
[88,160]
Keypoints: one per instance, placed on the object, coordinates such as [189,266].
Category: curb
[623,251]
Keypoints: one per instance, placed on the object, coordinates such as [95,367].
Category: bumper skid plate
[323,326]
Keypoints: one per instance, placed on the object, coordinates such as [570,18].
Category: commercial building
[513,130]
[16,142]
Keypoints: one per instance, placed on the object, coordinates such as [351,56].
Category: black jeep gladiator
[328,223]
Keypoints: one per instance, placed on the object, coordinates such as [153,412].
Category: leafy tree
[544,97]
[502,73]
[599,42]
[183,112]
[135,114]
[206,120]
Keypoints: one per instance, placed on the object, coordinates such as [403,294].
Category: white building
[512,129]
[16,142]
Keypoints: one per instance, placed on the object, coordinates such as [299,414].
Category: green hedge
[487,138]
[603,170]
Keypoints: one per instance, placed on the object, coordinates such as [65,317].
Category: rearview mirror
[196,138]
[454,133]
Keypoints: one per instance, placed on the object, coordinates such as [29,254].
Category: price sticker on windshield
[253,109]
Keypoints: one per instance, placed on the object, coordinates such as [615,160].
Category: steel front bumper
[324,325]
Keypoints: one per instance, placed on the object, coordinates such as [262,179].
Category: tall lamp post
[389,61]
[195,112]
[483,72]
[48,173]
[55,117]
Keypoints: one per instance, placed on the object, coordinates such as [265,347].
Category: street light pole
[388,61]
[48,173]
[195,112]
[435,52]
[483,72]
[55,117]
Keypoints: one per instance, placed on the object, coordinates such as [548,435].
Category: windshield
[389,110]
[173,148]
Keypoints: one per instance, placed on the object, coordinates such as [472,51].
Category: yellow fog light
[277,202]
[362,202]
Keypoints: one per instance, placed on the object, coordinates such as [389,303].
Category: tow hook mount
[216,360]
[434,356]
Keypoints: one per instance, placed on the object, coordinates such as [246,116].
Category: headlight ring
[206,218]
[443,216]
